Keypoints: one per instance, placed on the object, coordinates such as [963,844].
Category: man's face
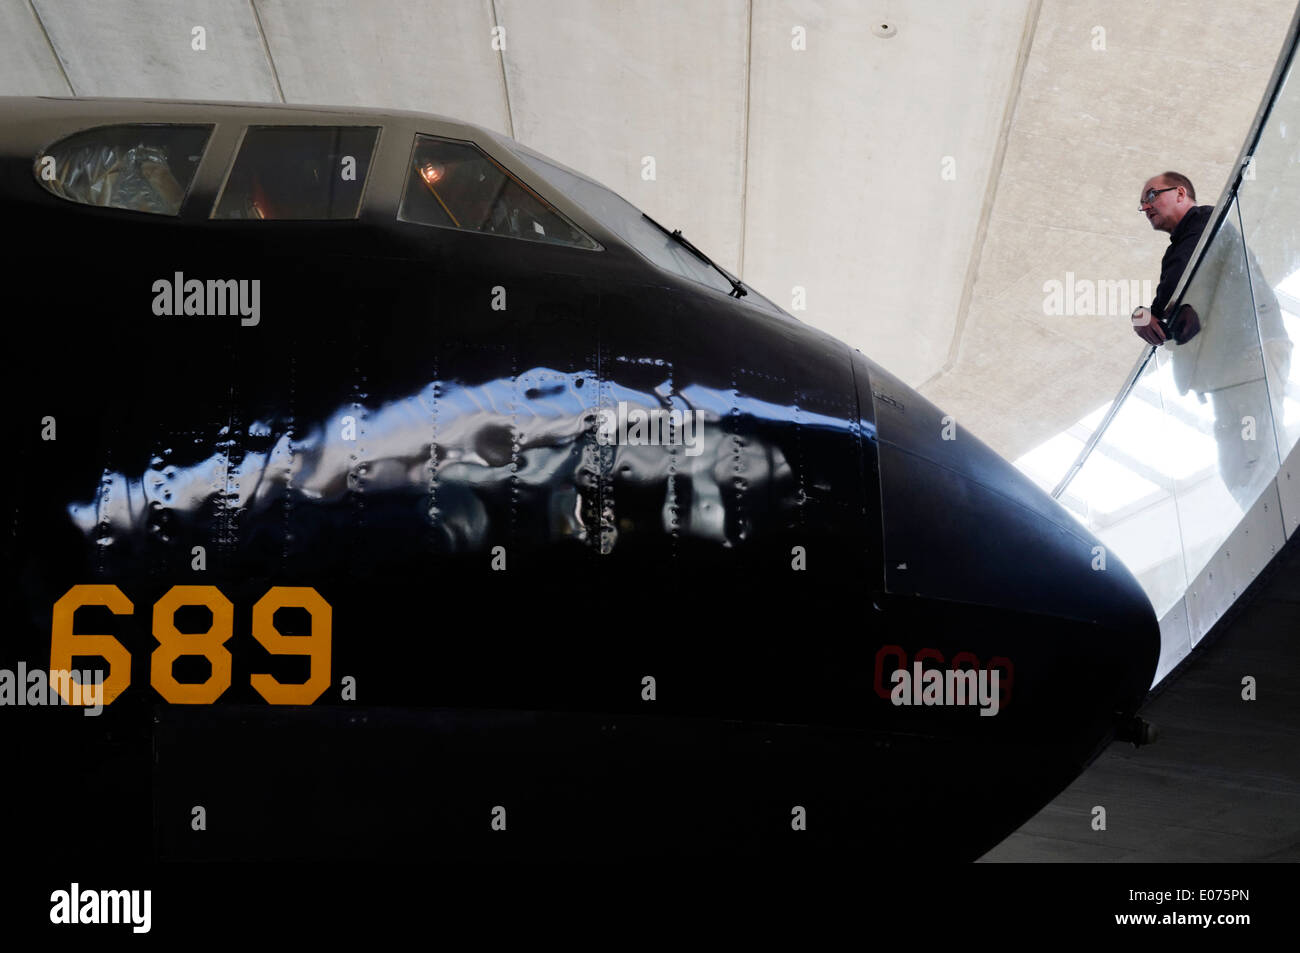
[1166,210]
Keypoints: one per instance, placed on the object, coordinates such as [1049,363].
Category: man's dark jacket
[1182,242]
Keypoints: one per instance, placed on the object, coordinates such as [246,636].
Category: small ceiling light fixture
[884,29]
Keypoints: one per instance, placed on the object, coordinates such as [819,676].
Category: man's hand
[1147,327]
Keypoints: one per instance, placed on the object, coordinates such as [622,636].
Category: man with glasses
[1168,201]
[1228,343]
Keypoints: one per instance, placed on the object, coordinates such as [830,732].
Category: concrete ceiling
[1176,86]
[920,187]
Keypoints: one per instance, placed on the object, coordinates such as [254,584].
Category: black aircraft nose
[983,571]
[961,526]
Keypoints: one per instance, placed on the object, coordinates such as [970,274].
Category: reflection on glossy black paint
[457,447]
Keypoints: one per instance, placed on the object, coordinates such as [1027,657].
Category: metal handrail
[1133,375]
[1226,197]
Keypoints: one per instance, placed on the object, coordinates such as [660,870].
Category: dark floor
[1222,783]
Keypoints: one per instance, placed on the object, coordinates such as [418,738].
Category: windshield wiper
[737,289]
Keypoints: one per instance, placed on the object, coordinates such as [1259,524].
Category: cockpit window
[625,220]
[139,168]
[304,173]
[453,184]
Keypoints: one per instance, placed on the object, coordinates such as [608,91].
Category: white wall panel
[1237,562]
[846,196]
[1288,487]
[28,66]
[1175,640]
[600,85]
[145,48]
[433,56]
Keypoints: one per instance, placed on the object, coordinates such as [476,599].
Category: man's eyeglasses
[1151,196]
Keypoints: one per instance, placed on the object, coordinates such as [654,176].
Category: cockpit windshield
[626,220]
[453,184]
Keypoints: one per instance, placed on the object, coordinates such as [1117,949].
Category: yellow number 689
[174,644]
